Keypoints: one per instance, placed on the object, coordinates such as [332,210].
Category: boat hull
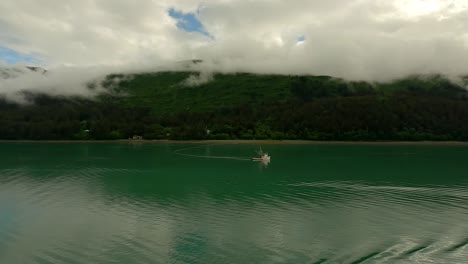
[265,159]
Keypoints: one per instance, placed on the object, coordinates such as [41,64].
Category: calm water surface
[189,203]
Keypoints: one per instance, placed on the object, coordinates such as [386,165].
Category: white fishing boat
[262,156]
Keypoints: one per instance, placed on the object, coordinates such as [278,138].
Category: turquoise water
[192,203]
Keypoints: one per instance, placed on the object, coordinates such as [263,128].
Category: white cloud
[354,39]
[63,81]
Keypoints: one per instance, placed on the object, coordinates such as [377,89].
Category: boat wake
[180,152]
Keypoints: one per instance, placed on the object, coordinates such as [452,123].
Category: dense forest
[176,105]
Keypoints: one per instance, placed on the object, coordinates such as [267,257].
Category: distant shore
[243,141]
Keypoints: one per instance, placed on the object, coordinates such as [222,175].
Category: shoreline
[246,141]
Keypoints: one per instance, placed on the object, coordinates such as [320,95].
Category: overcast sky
[353,39]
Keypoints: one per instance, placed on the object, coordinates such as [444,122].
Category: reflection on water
[108,203]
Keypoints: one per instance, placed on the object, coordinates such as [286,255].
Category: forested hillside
[182,105]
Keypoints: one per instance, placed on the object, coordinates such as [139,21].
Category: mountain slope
[15,72]
[184,105]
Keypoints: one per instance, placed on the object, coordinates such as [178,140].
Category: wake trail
[178,152]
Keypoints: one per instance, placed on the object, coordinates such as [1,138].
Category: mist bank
[19,82]
[245,106]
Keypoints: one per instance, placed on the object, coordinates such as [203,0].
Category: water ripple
[98,211]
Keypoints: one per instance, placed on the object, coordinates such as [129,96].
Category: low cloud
[64,81]
[199,78]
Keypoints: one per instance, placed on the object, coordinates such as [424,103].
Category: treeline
[301,107]
[402,117]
